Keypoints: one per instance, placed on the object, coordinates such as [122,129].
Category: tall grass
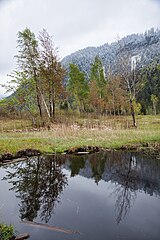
[103,132]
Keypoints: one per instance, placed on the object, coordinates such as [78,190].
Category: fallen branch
[22,236]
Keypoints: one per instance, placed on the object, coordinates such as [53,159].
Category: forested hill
[40,81]
[145,45]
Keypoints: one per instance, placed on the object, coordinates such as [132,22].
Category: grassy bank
[105,132]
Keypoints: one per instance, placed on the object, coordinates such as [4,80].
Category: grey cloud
[2,1]
[158,1]
[74,24]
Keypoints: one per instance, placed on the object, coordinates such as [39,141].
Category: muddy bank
[83,150]
[8,157]
[146,148]
[152,148]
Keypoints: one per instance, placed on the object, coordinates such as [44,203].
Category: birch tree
[28,61]
[51,72]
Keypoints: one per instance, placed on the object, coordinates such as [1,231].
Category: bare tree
[127,69]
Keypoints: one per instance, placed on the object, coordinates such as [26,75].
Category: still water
[102,196]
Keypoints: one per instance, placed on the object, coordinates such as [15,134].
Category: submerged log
[81,153]
[53,228]
[13,161]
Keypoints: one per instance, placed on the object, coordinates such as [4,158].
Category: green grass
[104,132]
[6,232]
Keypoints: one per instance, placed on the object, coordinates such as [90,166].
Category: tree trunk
[154,107]
[51,100]
[132,113]
[39,105]
[53,103]
[38,94]
[45,105]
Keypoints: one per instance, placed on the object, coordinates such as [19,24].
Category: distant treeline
[42,86]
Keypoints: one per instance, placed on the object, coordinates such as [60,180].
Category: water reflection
[131,172]
[40,181]
[126,192]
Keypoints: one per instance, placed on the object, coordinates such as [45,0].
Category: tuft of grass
[14,124]
[104,132]
[6,232]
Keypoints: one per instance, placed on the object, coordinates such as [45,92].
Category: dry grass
[104,132]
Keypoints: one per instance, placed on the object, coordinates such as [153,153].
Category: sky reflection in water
[109,195]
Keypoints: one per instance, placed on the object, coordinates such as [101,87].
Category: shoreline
[103,133]
[149,148]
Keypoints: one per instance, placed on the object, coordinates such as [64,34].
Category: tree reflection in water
[129,171]
[115,167]
[126,192]
[121,170]
[38,183]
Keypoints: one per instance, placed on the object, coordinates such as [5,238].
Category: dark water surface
[104,196]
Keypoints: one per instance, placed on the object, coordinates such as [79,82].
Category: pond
[107,195]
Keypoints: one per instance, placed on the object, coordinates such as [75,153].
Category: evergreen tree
[150,88]
[97,74]
[77,87]
[98,86]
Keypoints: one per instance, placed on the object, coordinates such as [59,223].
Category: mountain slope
[146,45]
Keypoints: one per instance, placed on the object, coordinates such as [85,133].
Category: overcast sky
[74,24]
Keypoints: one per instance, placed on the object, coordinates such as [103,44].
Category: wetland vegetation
[106,132]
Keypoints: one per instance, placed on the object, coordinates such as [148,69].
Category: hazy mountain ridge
[146,45]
